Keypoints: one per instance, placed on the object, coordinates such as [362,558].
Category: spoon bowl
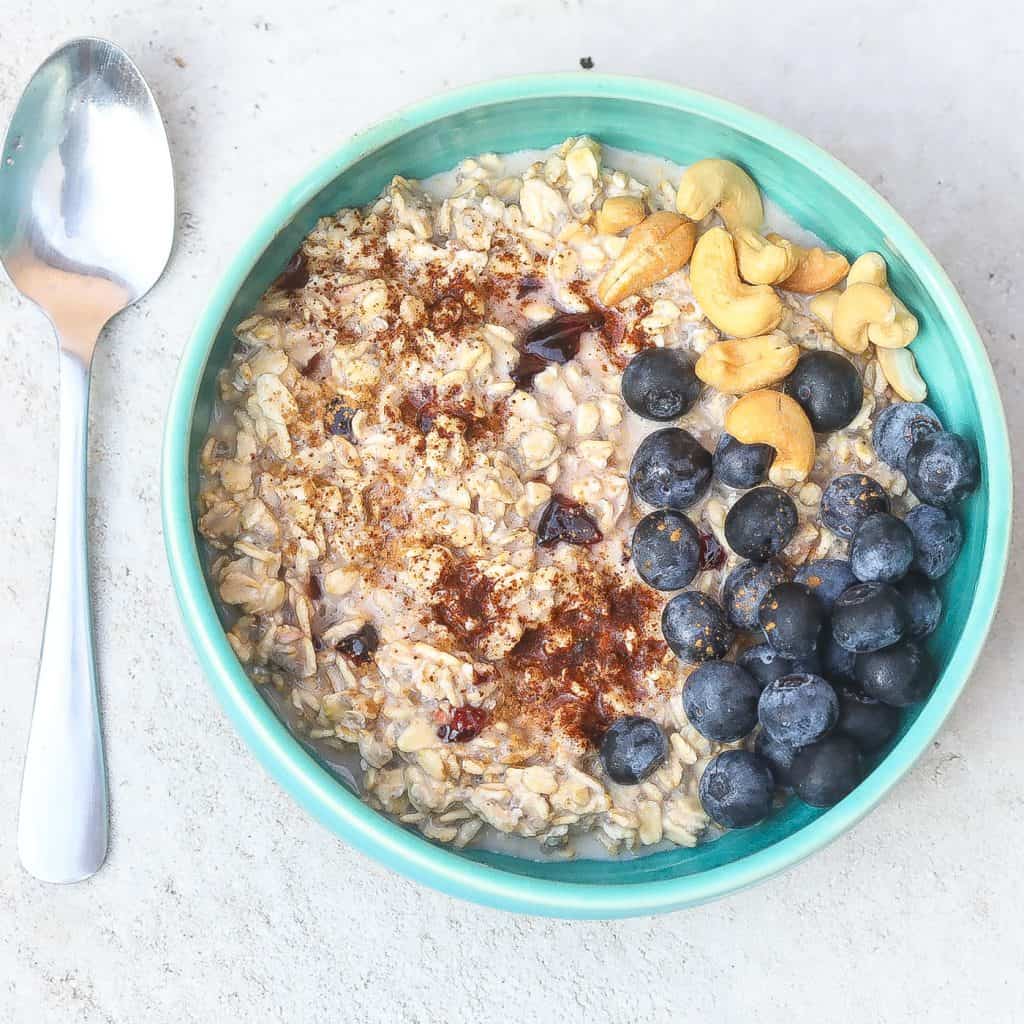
[87,215]
[86,227]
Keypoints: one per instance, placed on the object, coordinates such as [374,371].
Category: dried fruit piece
[526,369]
[360,645]
[464,723]
[568,521]
[554,341]
[770,417]
[558,340]
[747,364]
[658,246]
[619,213]
[712,554]
[295,274]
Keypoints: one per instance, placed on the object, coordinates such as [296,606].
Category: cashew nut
[618,213]
[720,185]
[870,269]
[867,312]
[658,246]
[904,329]
[734,307]
[770,417]
[823,306]
[900,369]
[747,364]
[764,260]
[816,269]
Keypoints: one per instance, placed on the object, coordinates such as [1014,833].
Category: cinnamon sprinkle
[592,661]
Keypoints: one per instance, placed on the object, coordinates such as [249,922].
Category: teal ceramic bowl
[683,126]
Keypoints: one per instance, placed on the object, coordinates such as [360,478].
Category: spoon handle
[62,827]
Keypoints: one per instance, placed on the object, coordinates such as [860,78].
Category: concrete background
[221,901]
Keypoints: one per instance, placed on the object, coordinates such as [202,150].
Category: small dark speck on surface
[586,63]
[180,61]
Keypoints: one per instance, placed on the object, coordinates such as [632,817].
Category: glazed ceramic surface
[683,126]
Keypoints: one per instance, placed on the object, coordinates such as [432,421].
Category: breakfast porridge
[575,501]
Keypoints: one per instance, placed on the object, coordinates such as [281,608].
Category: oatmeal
[416,490]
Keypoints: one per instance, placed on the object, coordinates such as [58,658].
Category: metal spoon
[86,224]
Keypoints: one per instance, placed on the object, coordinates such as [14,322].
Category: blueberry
[836,662]
[868,722]
[942,469]
[938,537]
[632,749]
[670,469]
[720,700]
[924,606]
[659,384]
[826,578]
[825,772]
[898,426]
[741,465]
[828,387]
[882,549]
[764,663]
[792,619]
[849,500]
[666,550]
[761,523]
[798,709]
[779,757]
[745,586]
[868,617]
[736,789]
[898,676]
[696,627]
[812,662]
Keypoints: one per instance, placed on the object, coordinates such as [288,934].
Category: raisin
[568,521]
[359,646]
[558,340]
[295,274]
[318,367]
[712,554]
[464,724]
[526,369]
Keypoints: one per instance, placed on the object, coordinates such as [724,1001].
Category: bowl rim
[343,812]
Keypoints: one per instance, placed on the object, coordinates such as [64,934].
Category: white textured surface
[221,900]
